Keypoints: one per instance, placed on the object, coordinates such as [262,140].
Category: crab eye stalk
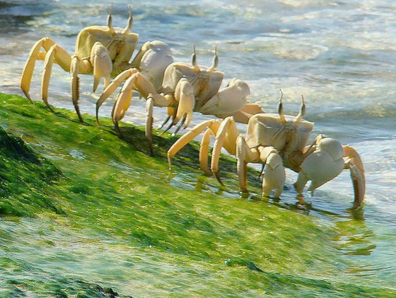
[215,60]
[129,23]
[110,19]
[280,108]
[194,59]
[302,110]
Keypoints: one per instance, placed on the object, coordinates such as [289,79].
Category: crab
[185,88]
[101,51]
[277,141]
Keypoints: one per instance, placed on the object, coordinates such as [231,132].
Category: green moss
[98,208]
[23,175]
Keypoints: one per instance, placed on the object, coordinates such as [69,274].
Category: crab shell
[206,82]
[120,44]
[286,136]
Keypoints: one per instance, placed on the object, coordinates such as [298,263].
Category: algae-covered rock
[24,174]
[97,215]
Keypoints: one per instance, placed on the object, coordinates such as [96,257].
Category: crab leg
[146,88]
[134,81]
[48,62]
[58,55]
[77,66]
[354,163]
[123,100]
[34,55]
[171,111]
[204,150]
[62,58]
[112,87]
[274,171]
[226,137]
[243,155]
[138,82]
[244,114]
[188,137]
[75,84]
[149,123]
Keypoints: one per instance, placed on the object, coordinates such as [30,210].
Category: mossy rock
[84,211]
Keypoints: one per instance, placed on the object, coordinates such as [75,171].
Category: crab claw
[274,175]
[102,64]
[323,165]
[228,100]
[184,93]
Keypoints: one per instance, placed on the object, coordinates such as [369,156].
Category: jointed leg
[112,87]
[188,137]
[75,85]
[244,155]
[138,82]
[135,81]
[204,148]
[274,171]
[171,112]
[34,55]
[354,163]
[48,62]
[225,133]
[226,137]
[149,123]
[244,114]
[58,54]
[123,100]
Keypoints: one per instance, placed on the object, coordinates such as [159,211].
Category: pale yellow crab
[101,51]
[185,88]
[278,141]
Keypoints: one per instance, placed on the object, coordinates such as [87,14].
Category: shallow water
[339,55]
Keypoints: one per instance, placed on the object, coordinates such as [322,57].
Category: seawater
[338,54]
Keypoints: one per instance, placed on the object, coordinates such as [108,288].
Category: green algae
[84,211]
[22,174]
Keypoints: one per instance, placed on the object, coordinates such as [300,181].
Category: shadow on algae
[84,213]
